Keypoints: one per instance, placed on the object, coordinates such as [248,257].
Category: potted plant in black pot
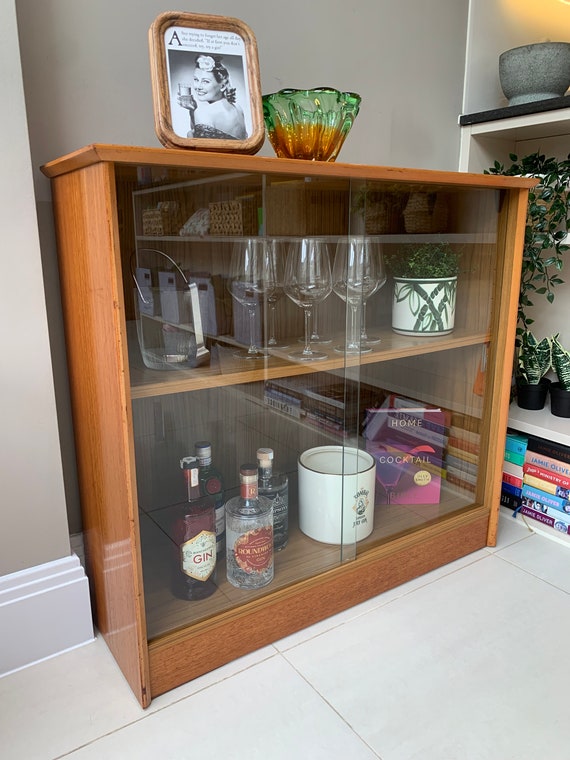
[560,391]
[425,288]
[533,362]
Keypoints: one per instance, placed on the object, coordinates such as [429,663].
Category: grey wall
[33,526]
[86,79]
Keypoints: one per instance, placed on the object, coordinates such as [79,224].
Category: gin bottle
[212,484]
[274,486]
[249,534]
[194,537]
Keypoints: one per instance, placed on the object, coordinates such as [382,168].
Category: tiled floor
[470,662]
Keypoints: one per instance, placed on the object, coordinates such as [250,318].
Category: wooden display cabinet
[132,424]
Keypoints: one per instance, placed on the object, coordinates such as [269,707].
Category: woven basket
[384,216]
[426,212]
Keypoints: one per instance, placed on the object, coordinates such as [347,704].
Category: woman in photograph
[213,110]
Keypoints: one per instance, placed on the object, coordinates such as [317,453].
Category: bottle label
[254,550]
[213,485]
[249,490]
[198,556]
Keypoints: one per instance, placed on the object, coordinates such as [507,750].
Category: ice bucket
[336,494]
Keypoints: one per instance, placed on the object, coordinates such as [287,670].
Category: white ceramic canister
[336,494]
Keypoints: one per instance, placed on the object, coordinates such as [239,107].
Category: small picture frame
[205,83]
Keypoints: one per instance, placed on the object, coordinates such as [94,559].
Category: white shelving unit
[482,144]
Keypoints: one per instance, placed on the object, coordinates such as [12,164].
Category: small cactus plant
[534,358]
[561,362]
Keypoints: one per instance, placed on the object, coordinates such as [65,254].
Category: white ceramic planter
[424,307]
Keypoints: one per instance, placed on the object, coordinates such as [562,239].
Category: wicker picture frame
[205,83]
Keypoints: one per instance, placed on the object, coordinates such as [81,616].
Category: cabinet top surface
[121,154]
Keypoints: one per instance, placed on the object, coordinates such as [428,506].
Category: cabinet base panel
[180,657]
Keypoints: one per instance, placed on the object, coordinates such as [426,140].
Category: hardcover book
[508,488]
[408,452]
[516,442]
[554,519]
[547,463]
[512,480]
[514,457]
[546,486]
[550,449]
[513,469]
[510,501]
[544,499]
[548,475]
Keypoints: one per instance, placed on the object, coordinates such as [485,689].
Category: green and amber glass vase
[309,124]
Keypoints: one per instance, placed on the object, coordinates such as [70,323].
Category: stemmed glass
[358,272]
[388,472]
[307,283]
[247,284]
[277,249]
[365,339]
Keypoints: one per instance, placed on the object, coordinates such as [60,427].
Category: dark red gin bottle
[194,536]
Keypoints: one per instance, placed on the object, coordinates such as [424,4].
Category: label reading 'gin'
[198,556]
[254,550]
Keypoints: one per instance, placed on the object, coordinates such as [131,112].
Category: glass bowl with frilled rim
[309,124]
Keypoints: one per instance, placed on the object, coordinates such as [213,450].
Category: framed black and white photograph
[205,83]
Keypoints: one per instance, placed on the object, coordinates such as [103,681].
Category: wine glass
[308,282]
[276,258]
[366,339]
[315,337]
[357,273]
[388,471]
[247,284]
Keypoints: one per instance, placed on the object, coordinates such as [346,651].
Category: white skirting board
[44,611]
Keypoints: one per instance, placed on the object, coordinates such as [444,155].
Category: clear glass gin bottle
[194,540]
[275,487]
[249,534]
[212,484]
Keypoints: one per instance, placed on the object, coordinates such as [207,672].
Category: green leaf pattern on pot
[561,362]
[430,315]
[534,358]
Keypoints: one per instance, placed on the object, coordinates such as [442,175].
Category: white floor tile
[58,705]
[510,531]
[465,663]
[543,558]
[466,668]
[377,601]
[266,711]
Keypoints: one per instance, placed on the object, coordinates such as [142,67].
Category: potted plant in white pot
[425,288]
[533,362]
[560,391]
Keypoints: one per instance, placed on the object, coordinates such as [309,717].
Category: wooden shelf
[225,369]
[302,558]
[540,423]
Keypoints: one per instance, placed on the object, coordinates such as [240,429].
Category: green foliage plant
[547,225]
[534,358]
[561,363]
[424,261]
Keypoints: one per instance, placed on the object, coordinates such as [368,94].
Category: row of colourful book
[536,479]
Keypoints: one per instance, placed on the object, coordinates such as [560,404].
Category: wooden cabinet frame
[91,270]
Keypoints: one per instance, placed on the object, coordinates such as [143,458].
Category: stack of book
[462,455]
[322,401]
[511,487]
[545,490]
